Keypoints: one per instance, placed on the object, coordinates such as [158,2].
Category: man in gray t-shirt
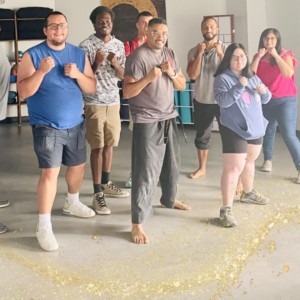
[203,61]
[152,72]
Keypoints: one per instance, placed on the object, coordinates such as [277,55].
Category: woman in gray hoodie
[240,94]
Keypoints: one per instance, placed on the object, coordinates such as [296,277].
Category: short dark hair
[101,10]
[278,44]
[53,13]
[209,18]
[225,64]
[157,21]
[143,14]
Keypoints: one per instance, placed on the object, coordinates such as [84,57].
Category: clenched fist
[201,48]
[71,71]
[272,51]
[261,52]
[47,63]
[166,68]
[112,58]
[154,74]
[219,48]
[243,81]
[261,89]
[100,57]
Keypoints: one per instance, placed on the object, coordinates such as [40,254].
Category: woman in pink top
[275,67]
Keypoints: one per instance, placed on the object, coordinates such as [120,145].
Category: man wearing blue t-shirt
[52,77]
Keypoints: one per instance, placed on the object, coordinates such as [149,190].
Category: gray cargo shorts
[54,147]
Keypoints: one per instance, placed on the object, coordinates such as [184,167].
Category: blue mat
[184,100]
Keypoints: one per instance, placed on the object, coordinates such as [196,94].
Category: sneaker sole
[4,230]
[49,250]
[249,201]
[99,212]
[266,170]
[4,205]
[228,225]
[66,212]
[116,196]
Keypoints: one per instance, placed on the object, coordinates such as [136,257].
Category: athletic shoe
[267,166]
[111,190]
[78,209]
[298,178]
[3,228]
[99,204]
[254,198]
[226,217]
[4,203]
[46,238]
[128,183]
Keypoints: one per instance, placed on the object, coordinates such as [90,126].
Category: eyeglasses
[236,58]
[266,38]
[55,26]
[156,33]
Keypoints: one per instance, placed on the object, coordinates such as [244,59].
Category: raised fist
[47,63]
[154,74]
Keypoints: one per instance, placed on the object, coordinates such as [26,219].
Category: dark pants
[153,160]
[233,143]
[204,115]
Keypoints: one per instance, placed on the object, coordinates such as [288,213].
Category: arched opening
[124,25]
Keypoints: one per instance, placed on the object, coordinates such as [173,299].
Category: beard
[58,43]
[208,37]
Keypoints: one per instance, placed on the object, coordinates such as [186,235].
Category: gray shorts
[54,147]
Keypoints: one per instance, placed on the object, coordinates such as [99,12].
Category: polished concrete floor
[190,256]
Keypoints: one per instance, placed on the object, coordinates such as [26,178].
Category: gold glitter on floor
[189,256]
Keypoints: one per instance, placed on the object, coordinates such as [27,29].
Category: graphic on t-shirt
[246,98]
[257,97]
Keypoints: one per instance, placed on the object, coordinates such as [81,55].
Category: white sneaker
[110,190]
[267,166]
[46,238]
[78,209]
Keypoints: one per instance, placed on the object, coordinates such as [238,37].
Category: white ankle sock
[44,220]
[72,198]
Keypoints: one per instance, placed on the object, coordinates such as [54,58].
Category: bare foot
[138,235]
[180,205]
[239,188]
[200,172]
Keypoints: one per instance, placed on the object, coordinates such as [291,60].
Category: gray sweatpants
[153,160]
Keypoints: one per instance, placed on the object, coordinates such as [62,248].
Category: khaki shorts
[103,125]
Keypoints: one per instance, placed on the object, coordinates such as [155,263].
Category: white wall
[184,20]
[256,19]
[78,13]
[285,16]
[239,9]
